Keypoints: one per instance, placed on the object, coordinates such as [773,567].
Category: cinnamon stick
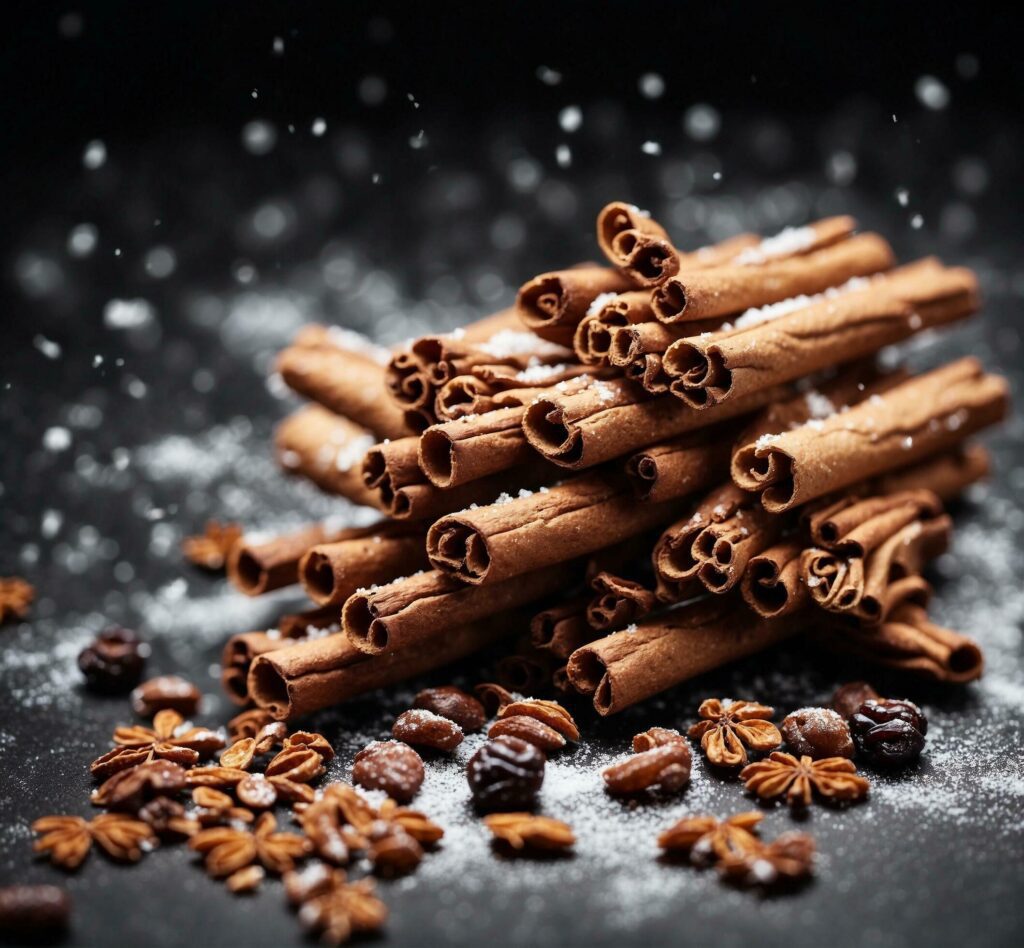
[539,529]
[257,566]
[945,475]
[552,304]
[617,601]
[772,584]
[406,612]
[331,572]
[846,323]
[718,291]
[326,448]
[626,667]
[459,452]
[562,628]
[305,677]
[592,338]
[525,672]
[488,388]
[921,417]
[681,465]
[611,418]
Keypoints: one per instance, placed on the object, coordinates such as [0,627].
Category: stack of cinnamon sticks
[646,470]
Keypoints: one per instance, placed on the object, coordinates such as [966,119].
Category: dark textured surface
[167,423]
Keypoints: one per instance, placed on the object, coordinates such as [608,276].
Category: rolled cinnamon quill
[772,584]
[592,338]
[626,667]
[489,388]
[459,452]
[945,475]
[552,304]
[718,291]
[617,601]
[562,629]
[714,544]
[331,572]
[347,382]
[682,465]
[921,417]
[326,448]
[611,418]
[407,612]
[535,530]
[846,323]
[305,677]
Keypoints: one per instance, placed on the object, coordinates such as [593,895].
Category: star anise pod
[167,817]
[16,596]
[229,850]
[521,831]
[68,839]
[788,858]
[345,909]
[169,739]
[214,808]
[727,730]
[419,826]
[211,549]
[834,778]
[709,840]
[129,789]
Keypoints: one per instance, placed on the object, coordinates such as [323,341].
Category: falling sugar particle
[652,86]
[161,262]
[319,127]
[917,222]
[563,156]
[47,347]
[702,122]
[97,361]
[570,118]
[841,168]
[95,155]
[651,148]
[56,439]
[128,314]
[902,196]
[931,93]
[418,141]
[717,175]
[372,90]
[255,93]
[412,99]
[258,137]
[82,240]
[278,46]
[550,77]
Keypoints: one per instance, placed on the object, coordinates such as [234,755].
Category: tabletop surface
[123,427]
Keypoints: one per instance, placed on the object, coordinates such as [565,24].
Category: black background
[934,858]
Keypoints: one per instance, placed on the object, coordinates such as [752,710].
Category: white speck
[716,176]
[255,93]
[47,347]
[97,361]
[373,90]
[908,443]
[412,99]
[651,148]
[95,155]
[128,314]
[570,118]
[509,342]
[652,86]
[161,262]
[600,302]
[563,155]
[917,222]
[419,140]
[82,240]
[550,77]
[51,523]
[278,46]
[56,439]
[259,137]
[702,122]
[319,127]
[820,406]
[902,197]
[931,93]
[841,168]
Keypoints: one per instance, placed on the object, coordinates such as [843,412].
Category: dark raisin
[113,662]
[817,733]
[889,731]
[849,697]
[505,774]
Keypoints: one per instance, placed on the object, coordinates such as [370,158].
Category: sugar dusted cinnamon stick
[406,613]
[796,241]
[715,542]
[562,628]
[626,667]
[592,338]
[459,452]
[258,565]
[923,416]
[541,529]
[488,388]
[718,291]
[765,348]
[946,475]
[678,467]
[526,671]
[772,584]
[331,572]
[617,601]
[305,677]
[612,418]
[552,304]
[346,381]
[326,448]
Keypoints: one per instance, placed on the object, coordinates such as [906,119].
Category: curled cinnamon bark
[260,566]
[617,601]
[539,529]
[458,452]
[552,304]
[331,572]
[765,348]
[326,448]
[307,676]
[921,417]
[718,291]
[593,335]
[772,584]
[407,612]
[682,465]
[491,387]
[626,667]
[714,544]
[612,418]
[345,381]
[526,671]
[562,629]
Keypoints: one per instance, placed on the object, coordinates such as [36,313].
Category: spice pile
[656,467]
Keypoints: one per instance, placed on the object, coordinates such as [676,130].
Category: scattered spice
[849,697]
[250,723]
[210,550]
[169,731]
[493,697]
[550,713]
[16,596]
[521,831]
[390,766]
[706,839]
[798,779]
[113,662]
[454,704]
[817,732]
[426,729]
[228,850]
[666,767]
[166,691]
[787,859]
[528,729]
[889,731]
[656,737]
[129,789]
[66,840]
[506,773]
[345,909]
[728,730]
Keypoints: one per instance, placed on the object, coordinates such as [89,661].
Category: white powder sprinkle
[599,302]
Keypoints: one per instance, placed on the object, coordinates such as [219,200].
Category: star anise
[210,550]
[167,738]
[788,858]
[229,851]
[729,729]
[708,840]
[68,839]
[16,596]
[345,909]
[834,778]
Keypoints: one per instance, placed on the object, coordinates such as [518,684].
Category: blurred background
[183,185]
